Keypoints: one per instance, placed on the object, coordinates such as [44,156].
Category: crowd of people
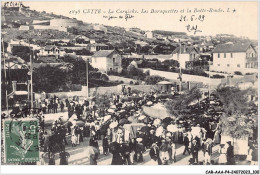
[127,132]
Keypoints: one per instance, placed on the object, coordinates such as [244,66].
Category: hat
[139,139]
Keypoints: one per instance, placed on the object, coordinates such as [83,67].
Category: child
[105,145]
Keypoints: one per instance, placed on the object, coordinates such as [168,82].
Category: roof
[103,53]
[49,47]
[231,47]
[164,82]
[187,49]
[98,44]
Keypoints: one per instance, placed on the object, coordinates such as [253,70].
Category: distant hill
[168,33]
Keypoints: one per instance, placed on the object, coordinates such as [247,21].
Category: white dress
[222,156]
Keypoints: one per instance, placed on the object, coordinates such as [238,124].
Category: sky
[241,20]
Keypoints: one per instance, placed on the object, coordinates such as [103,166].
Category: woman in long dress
[222,155]
[216,138]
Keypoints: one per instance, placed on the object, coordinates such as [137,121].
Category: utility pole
[87,75]
[209,79]
[180,76]
[6,95]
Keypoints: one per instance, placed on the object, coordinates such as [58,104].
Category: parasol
[107,117]
[113,107]
[123,121]
[87,124]
[111,110]
[142,117]
[159,131]
[157,122]
[149,103]
[80,123]
[172,128]
[73,117]
[113,125]
[132,119]
[90,151]
[73,122]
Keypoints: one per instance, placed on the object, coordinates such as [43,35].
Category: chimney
[14,85]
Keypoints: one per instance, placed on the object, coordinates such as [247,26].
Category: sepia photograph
[129,83]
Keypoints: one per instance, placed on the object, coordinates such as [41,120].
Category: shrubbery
[238,73]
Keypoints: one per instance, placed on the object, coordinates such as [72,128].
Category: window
[252,65]
[114,60]
[246,65]
[228,65]
[238,65]
[231,55]
[218,55]
[218,64]
[252,55]
[224,55]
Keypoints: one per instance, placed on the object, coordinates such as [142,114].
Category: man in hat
[195,151]
[186,143]
[154,154]
[164,152]
[138,157]
[230,154]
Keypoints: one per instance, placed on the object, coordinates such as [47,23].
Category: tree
[50,79]
[238,119]
[233,99]
[154,79]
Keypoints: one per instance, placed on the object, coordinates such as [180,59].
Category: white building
[149,34]
[185,54]
[51,50]
[107,60]
[235,57]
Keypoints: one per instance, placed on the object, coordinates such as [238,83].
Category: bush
[217,76]
[104,77]
[137,83]
[131,82]
[154,79]
[238,73]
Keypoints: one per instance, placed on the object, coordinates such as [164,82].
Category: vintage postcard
[129,83]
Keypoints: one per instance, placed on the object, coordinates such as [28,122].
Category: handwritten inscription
[192,18]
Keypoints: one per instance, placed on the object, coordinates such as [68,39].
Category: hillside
[12,20]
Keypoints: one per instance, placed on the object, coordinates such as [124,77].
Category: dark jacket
[186,141]
[230,155]
[255,154]
[194,148]
[154,153]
